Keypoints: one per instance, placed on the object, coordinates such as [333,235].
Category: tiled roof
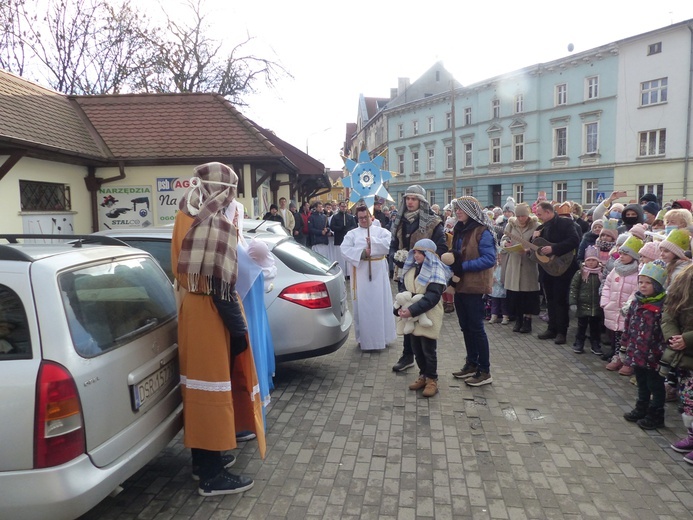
[306,164]
[39,117]
[175,126]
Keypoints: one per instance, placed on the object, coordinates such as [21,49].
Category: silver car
[307,303]
[88,373]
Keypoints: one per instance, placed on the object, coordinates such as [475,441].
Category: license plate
[155,383]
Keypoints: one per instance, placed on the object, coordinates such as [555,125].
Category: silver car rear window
[108,305]
[303,260]
[15,341]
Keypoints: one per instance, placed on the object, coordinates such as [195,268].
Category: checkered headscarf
[472,208]
[432,269]
[208,252]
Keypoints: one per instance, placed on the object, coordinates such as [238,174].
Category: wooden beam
[9,163]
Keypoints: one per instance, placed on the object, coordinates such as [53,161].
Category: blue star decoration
[366,179]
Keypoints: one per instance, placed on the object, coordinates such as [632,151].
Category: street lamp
[316,133]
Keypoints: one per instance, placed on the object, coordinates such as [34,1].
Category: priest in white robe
[365,250]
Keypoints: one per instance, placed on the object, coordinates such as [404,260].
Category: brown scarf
[208,252]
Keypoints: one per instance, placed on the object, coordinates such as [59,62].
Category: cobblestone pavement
[347,439]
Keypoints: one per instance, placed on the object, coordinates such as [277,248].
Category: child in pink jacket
[619,285]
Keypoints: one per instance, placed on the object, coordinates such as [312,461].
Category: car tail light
[313,295]
[58,428]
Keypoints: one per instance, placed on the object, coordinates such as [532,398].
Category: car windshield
[303,260]
[108,305]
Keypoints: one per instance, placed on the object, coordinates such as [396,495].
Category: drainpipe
[93,185]
[686,159]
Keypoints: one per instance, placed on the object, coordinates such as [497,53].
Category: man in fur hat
[413,222]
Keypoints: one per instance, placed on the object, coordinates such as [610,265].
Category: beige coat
[521,273]
[289,221]
[435,314]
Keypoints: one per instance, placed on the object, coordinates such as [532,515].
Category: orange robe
[217,401]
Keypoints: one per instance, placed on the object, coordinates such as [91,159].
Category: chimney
[402,85]
[393,93]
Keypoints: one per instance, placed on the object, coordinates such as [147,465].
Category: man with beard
[414,221]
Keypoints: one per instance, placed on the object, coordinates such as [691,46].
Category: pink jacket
[615,292]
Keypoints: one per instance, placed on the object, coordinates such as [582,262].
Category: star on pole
[366,179]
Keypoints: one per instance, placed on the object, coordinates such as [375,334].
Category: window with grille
[495,148]
[431,126]
[519,192]
[467,116]
[653,142]
[519,104]
[495,108]
[560,142]
[448,157]
[519,147]
[467,154]
[431,164]
[415,162]
[592,87]
[653,92]
[561,95]
[590,188]
[560,190]
[400,162]
[44,196]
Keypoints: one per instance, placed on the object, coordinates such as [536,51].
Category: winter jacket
[521,272]
[588,239]
[682,324]
[340,224]
[585,294]
[316,224]
[497,290]
[642,337]
[615,291]
[475,257]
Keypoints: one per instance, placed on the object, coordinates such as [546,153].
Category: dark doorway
[495,194]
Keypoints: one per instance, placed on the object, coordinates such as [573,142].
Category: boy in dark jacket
[584,293]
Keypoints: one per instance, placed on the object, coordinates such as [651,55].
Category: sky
[336,51]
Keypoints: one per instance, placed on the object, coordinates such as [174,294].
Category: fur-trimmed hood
[513,223]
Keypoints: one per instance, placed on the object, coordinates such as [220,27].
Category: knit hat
[631,247]
[685,204]
[509,205]
[425,244]
[611,228]
[617,207]
[638,230]
[564,209]
[656,270]
[591,252]
[522,210]
[648,197]
[678,241]
[652,208]
[650,250]
[598,222]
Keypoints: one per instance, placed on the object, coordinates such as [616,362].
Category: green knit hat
[632,247]
[678,241]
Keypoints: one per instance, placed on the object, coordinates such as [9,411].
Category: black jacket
[341,224]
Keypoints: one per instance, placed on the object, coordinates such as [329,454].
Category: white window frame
[652,143]
[561,95]
[654,48]
[448,195]
[519,103]
[560,191]
[448,120]
[415,128]
[431,159]
[468,191]
[468,154]
[654,92]
[494,148]
[592,87]
[431,125]
[448,157]
[400,130]
[467,116]
[495,108]
[591,137]
[519,193]
[415,162]
[519,147]
[657,189]
[400,163]
[431,196]
[590,188]
[560,140]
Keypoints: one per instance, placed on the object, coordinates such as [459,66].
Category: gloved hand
[398,263]
[238,344]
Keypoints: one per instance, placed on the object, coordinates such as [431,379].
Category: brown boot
[431,387]
[418,384]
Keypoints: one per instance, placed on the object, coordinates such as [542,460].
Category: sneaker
[418,384]
[431,387]
[506,320]
[224,484]
[403,364]
[468,370]
[685,445]
[479,379]
[626,371]
[226,462]
[688,458]
[245,435]
[615,364]
[494,319]
[578,348]
[596,350]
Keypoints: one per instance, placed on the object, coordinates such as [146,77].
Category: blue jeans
[470,314]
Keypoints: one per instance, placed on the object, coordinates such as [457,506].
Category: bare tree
[12,55]
[188,60]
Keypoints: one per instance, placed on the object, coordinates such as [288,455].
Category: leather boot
[431,387]
[526,325]
[653,420]
[418,384]
[637,413]
[518,325]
